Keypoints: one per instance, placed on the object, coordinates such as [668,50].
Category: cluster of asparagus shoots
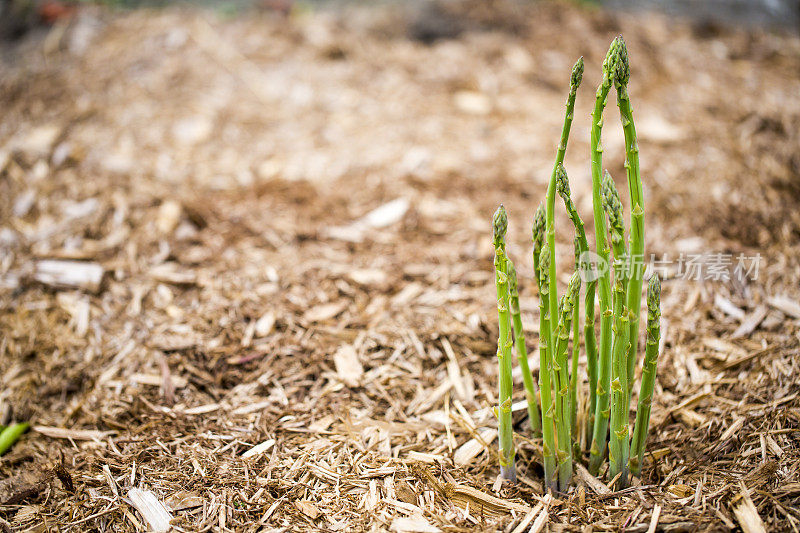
[611,364]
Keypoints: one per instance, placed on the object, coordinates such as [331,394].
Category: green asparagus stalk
[590,341]
[597,450]
[648,375]
[504,343]
[616,225]
[636,272]
[522,351]
[575,81]
[545,373]
[538,240]
[581,247]
[576,352]
[619,439]
[561,376]
[11,434]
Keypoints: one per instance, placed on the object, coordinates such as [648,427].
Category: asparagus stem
[11,434]
[581,247]
[504,343]
[538,240]
[561,375]
[576,351]
[619,443]
[597,450]
[545,372]
[522,351]
[616,225]
[648,375]
[575,81]
[636,272]
[591,354]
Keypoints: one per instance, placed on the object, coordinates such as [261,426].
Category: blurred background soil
[222,168]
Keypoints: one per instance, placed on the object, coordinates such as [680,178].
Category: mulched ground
[220,170]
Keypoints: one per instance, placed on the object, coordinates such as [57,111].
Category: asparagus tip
[612,58]
[500,224]
[562,181]
[538,226]
[654,294]
[574,287]
[512,277]
[623,69]
[577,75]
[544,266]
[612,204]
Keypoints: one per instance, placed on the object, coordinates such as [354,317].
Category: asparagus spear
[597,450]
[648,375]
[581,247]
[574,83]
[538,239]
[545,373]
[619,443]
[576,352]
[504,343]
[561,374]
[11,434]
[616,225]
[634,291]
[522,351]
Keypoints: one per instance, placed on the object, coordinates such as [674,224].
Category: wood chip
[348,367]
[746,513]
[74,434]
[323,312]
[727,307]
[786,305]
[258,449]
[751,322]
[654,519]
[473,447]
[152,510]
[592,482]
[479,500]
[156,380]
[69,274]
[308,509]
[413,524]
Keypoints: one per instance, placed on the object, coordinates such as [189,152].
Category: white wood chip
[265,324]
[747,515]
[74,434]
[348,367]
[258,449]
[472,448]
[152,510]
[786,304]
[413,524]
[69,274]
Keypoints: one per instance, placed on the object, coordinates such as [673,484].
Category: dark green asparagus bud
[648,375]
[577,76]
[622,73]
[613,208]
[538,226]
[499,225]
